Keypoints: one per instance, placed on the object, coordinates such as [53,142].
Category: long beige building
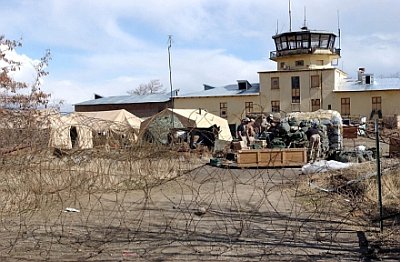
[306,79]
[232,102]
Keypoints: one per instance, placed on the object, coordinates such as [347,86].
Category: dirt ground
[207,214]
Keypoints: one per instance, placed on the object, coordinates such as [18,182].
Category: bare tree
[17,94]
[152,87]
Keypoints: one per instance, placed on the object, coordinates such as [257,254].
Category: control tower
[305,49]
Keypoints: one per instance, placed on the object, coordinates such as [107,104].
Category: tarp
[324,166]
[120,116]
[185,118]
[333,116]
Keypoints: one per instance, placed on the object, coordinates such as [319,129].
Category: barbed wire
[138,201]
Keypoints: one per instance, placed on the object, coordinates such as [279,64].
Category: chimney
[361,71]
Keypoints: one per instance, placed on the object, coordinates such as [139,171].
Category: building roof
[129,99]
[379,84]
[228,90]
[307,31]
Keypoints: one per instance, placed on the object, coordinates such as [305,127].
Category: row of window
[304,41]
[345,105]
[275,107]
[299,63]
[314,79]
[315,82]
[223,108]
[315,105]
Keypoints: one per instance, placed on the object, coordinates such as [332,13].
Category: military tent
[115,122]
[66,133]
[118,116]
[159,125]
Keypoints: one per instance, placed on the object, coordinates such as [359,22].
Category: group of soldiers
[250,129]
[279,135]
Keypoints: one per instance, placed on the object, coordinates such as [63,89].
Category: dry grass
[149,203]
[29,179]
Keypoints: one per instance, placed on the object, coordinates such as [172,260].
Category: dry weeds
[150,203]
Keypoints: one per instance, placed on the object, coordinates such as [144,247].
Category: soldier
[314,141]
[251,131]
[241,132]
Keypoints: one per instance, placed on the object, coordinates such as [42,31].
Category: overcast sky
[111,47]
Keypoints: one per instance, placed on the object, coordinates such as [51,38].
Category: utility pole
[170,77]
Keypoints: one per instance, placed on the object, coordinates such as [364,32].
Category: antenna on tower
[277,24]
[338,25]
[290,18]
[305,19]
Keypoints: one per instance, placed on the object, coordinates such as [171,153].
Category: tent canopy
[120,116]
[185,118]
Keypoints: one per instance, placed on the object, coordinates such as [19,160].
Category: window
[283,65]
[242,85]
[314,40]
[248,107]
[295,89]
[345,106]
[376,103]
[324,41]
[315,104]
[315,81]
[306,40]
[274,82]
[223,109]
[291,42]
[299,63]
[275,106]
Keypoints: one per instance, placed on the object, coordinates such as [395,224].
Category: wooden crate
[285,157]
[350,132]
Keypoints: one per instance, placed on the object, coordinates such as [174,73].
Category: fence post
[378,170]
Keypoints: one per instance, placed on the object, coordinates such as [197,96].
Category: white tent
[67,133]
[119,122]
[118,116]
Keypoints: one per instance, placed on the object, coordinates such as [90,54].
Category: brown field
[151,204]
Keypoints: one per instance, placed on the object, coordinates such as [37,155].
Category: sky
[111,47]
